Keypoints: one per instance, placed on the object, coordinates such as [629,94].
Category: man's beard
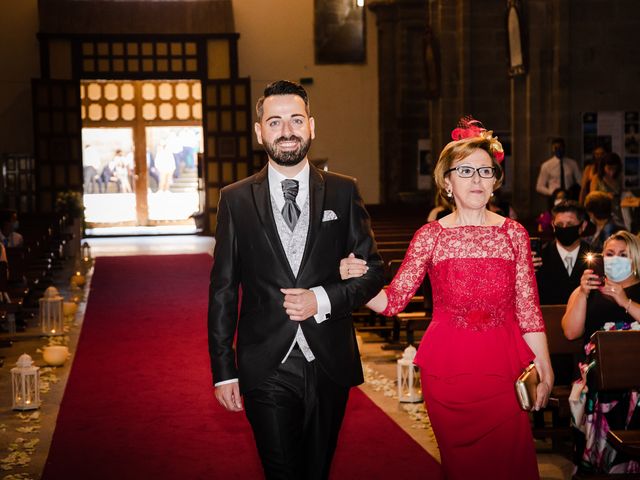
[288,158]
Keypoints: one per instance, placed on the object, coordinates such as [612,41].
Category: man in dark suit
[558,272]
[280,236]
[563,259]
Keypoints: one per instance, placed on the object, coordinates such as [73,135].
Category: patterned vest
[293,243]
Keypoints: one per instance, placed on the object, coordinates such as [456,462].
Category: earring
[492,194]
[449,194]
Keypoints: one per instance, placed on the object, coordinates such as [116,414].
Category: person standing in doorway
[559,171]
[280,236]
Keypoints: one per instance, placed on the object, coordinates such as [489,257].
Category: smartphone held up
[536,246]
[595,262]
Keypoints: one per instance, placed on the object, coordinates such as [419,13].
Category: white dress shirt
[549,176]
[564,253]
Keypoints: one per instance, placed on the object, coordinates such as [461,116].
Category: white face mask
[617,268]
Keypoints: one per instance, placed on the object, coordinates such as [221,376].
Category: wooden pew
[416,316]
[618,368]
[617,360]
[559,398]
[617,356]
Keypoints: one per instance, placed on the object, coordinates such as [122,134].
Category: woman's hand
[589,281]
[352,267]
[615,291]
[543,390]
[542,395]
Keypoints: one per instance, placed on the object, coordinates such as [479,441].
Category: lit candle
[78,278]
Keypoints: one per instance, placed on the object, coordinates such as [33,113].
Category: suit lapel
[262,202]
[316,207]
[579,268]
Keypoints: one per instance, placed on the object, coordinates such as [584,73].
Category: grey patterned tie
[290,211]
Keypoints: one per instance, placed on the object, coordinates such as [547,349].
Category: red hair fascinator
[469,127]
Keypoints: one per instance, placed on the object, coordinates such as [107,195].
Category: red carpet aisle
[139,402]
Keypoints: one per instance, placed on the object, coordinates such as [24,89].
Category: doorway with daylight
[142,145]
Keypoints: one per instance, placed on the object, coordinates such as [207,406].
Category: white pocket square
[329,215]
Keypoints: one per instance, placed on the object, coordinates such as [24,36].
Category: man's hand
[537,262]
[299,303]
[228,395]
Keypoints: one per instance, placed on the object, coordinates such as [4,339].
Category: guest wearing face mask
[560,267]
[559,171]
[595,302]
[545,219]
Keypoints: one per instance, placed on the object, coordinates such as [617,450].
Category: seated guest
[4,275]
[559,269]
[609,180]
[497,204]
[599,206]
[590,171]
[544,220]
[596,302]
[442,209]
[8,224]
[561,265]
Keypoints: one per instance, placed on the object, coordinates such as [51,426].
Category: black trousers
[296,415]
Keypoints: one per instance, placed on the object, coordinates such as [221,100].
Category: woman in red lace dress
[486,326]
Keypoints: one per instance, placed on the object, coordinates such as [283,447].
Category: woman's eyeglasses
[464,171]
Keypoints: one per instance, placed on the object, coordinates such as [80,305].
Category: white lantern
[409,388]
[51,317]
[25,383]
[87,260]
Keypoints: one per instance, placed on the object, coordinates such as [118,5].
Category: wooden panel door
[227,131]
[58,143]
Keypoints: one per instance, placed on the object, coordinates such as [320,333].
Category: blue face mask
[617,269]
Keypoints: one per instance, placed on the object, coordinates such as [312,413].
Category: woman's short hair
[633,244]
[599,204]
[458,150]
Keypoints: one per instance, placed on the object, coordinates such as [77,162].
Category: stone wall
[582,57]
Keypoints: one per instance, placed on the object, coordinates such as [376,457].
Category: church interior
[122,120]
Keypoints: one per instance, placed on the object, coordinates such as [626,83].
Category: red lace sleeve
[528,311]
[412,271]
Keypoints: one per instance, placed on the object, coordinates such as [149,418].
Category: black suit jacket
[249,255]
[554,283]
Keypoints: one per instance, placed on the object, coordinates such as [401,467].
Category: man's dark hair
[570,206]
[282,87]
[559,140]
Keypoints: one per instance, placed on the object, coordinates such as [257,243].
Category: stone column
[403,98]
[540,107]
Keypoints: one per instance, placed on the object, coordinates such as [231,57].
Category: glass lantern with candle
[409,388]
[87,260]
[51,313]
[25,384]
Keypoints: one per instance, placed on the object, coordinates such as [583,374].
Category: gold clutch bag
[526,387]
